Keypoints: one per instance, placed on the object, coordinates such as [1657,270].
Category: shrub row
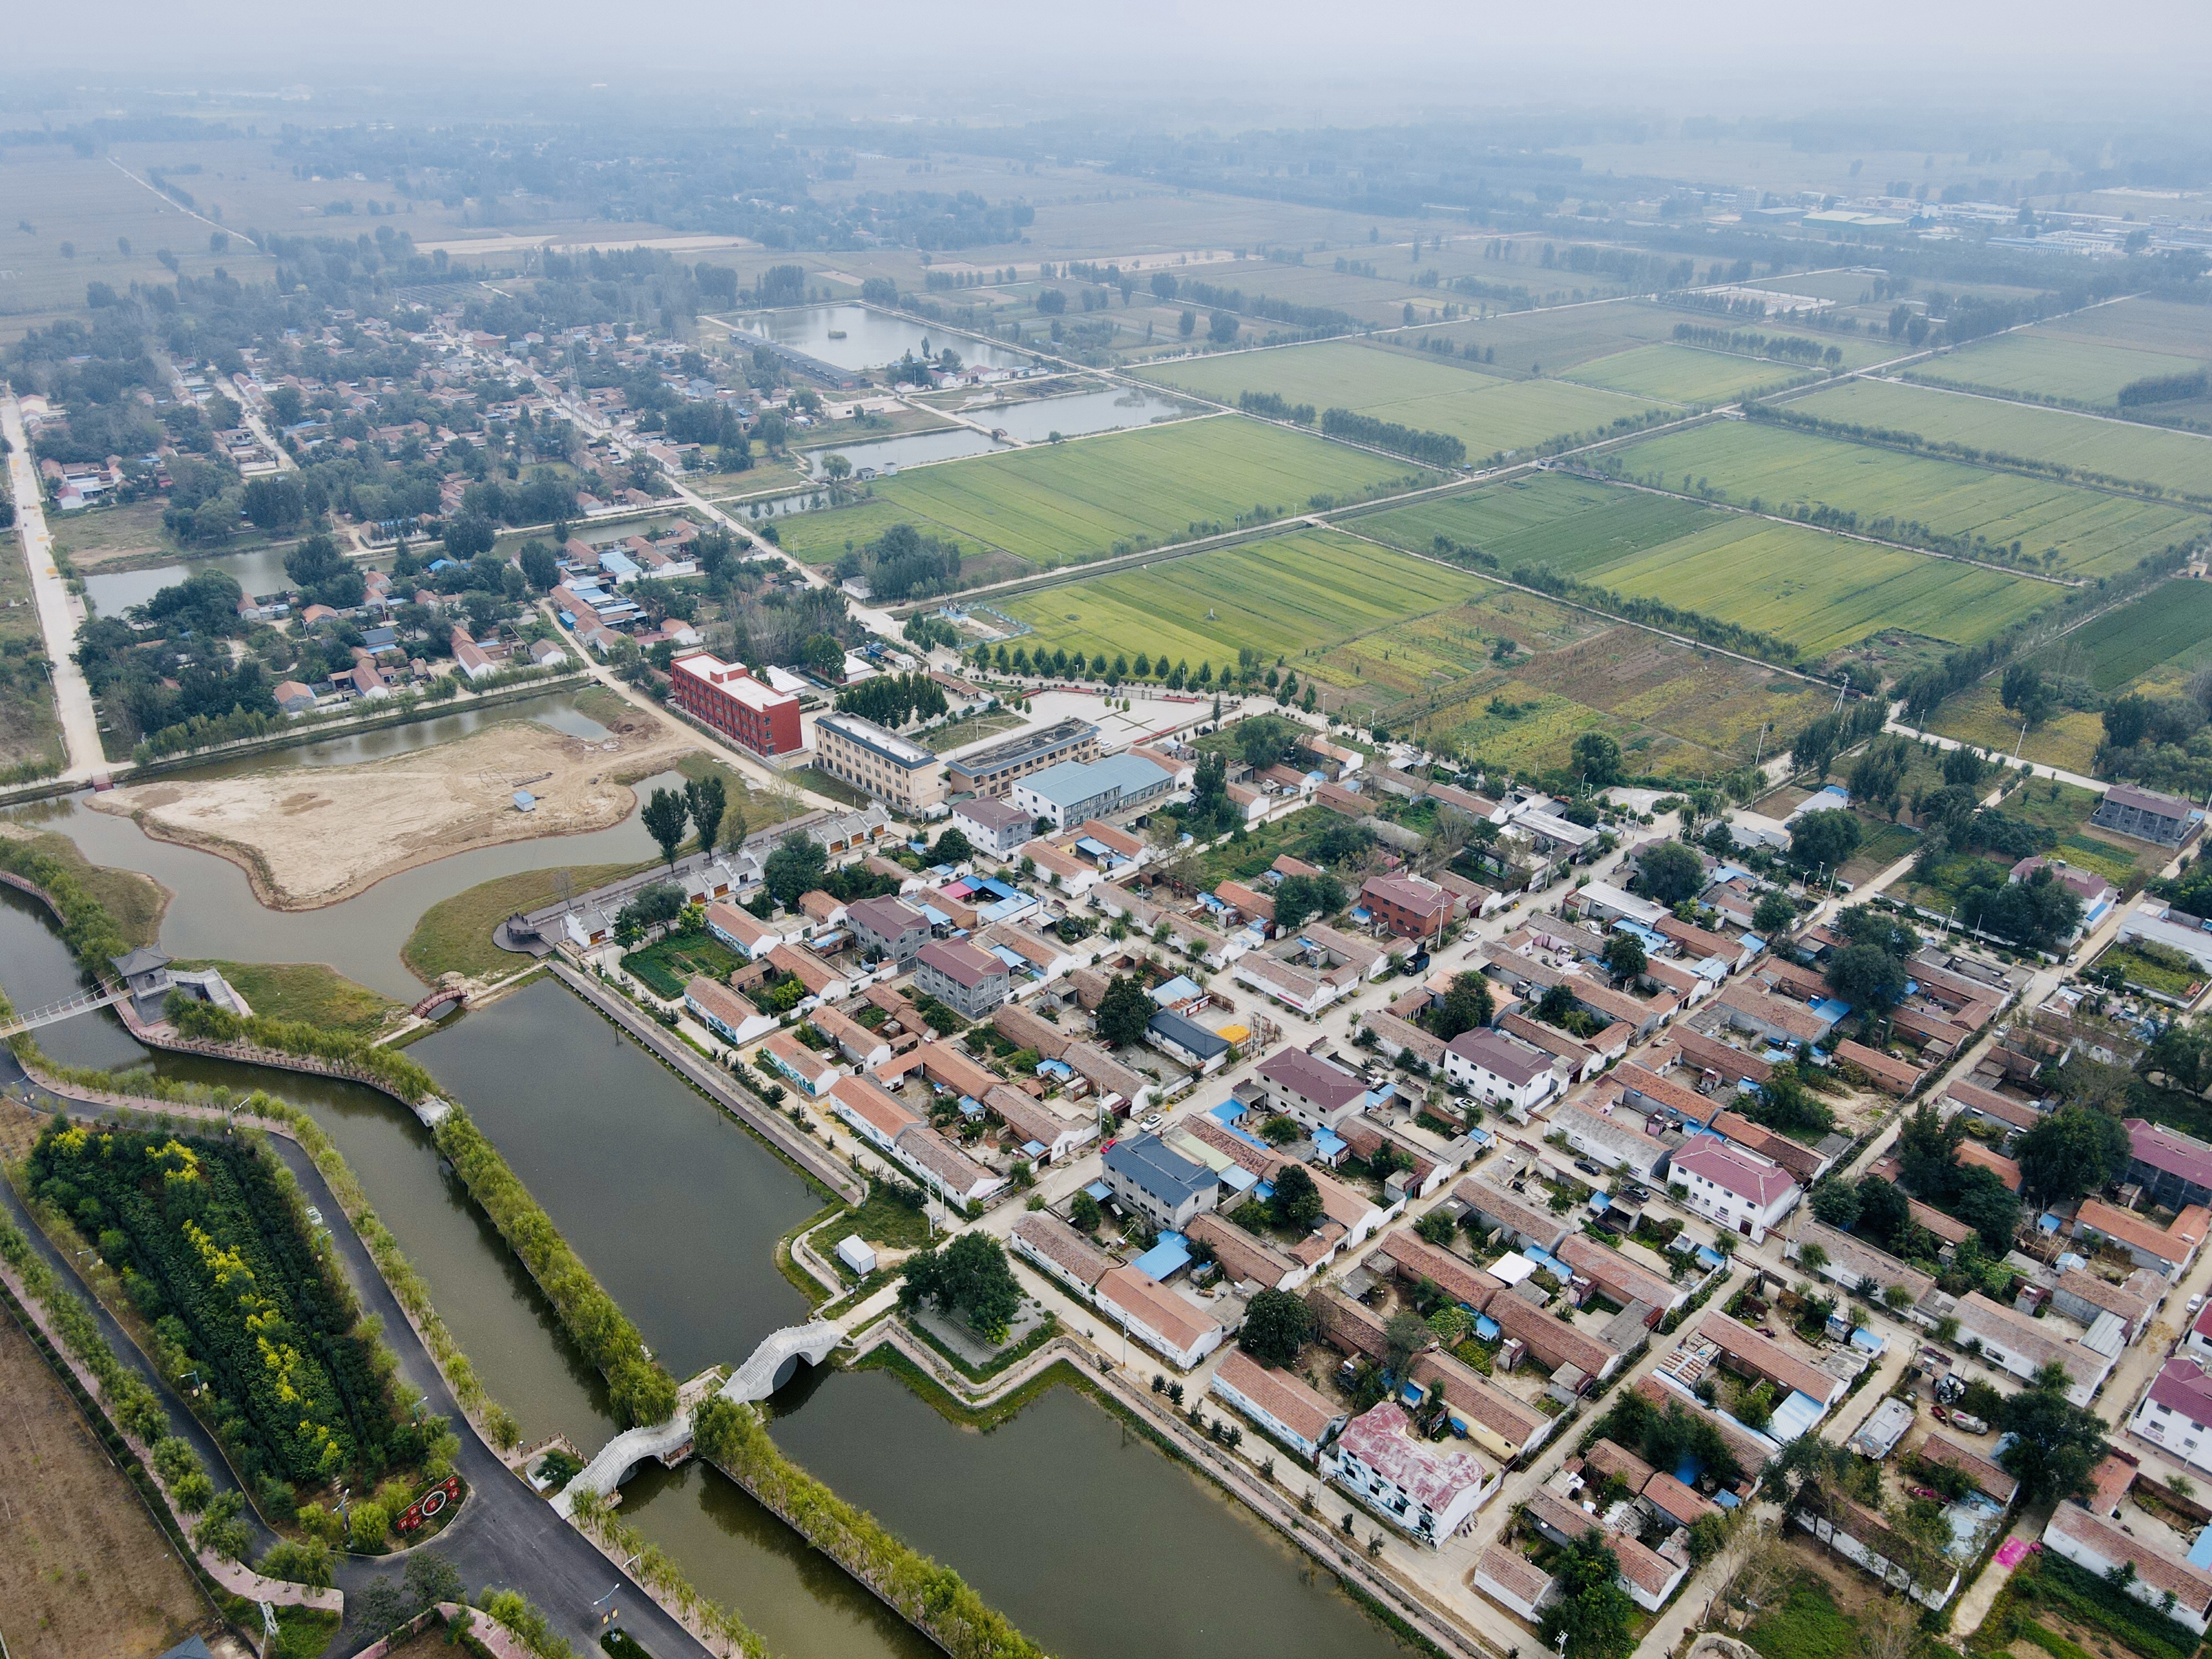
[642,1392]
[933,1598]
[204,1021]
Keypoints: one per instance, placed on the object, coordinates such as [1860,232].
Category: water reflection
[110,593]
[912,450]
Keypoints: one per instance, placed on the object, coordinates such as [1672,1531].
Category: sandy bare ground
[310,837]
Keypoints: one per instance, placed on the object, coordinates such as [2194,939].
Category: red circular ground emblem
[431,1504]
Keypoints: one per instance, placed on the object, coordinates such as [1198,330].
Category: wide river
[1088,1538]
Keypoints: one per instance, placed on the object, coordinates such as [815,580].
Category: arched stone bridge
[773,1364]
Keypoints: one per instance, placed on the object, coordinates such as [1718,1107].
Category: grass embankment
[454,934]
[309,991]
[134,903]
[931,1597]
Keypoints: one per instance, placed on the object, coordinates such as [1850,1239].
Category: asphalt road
[506,1534]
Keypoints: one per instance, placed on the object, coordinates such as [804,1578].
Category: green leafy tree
[2059,1442]
[539,565]
[1297,1202]
[1277,1326]
[1866,976]
[1300,897]
[1593,1614]
[707,798]
[1084,1212]
[1625,957]
[1826,839]
[795,868]
[969,1278]
[1404,1335]
[1885,1212]
[1597,757]
[952,848]
[2072,1152]
[665,816]
[1836,1203]
[1466,1006]
[1774,914]
[1671,873]
[1124,1012]
[1928,1150]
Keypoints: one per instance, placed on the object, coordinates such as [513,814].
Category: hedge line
[203,1020]
[642,1392]
[933,1598]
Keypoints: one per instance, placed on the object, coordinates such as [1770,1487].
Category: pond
[870,338]
[912,450]
[112,592]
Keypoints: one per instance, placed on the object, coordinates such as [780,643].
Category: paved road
[506,1535]
[250,414]
[60,611]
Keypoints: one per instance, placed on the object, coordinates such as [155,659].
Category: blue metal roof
[1165,1259]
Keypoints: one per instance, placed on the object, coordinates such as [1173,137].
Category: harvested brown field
[84,1572]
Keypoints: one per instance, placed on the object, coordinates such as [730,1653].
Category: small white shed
[854,1252]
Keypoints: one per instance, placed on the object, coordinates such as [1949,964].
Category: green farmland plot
[1489,414]
[1687,374]
[1281,596]
[1553,341]
[2154,325]
[2159,636]
[2175,461]
[2097,532]
[1055,504]
[2052,366]
[1817,590]
[1822,592]
[1572,525]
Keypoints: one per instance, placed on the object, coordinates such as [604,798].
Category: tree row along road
[506,1534]
[60,611]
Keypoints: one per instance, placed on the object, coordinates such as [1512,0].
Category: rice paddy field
[1055,504]
[2159,638]
[1686,374]
[1490,414]
[2097,532]
[1286,595]
[2150,325]
[2176,461]
[1820,592]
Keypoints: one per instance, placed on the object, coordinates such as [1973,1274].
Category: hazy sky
[1298,61]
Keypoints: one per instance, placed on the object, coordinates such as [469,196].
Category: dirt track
[308,837]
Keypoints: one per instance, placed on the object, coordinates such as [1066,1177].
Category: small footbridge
[774,1364]
[54,1014]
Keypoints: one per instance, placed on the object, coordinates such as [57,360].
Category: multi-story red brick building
[1408,906]
[727,697]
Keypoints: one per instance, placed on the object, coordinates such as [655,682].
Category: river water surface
[1086,1536]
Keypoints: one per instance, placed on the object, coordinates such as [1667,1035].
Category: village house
[889,927]
[1426,1491]
[1158,1183]
[1178,1330]
[969,981]
[1501,1069]
[726,1014]
[1289,1411]
[1743,1193]
[1060,1252]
